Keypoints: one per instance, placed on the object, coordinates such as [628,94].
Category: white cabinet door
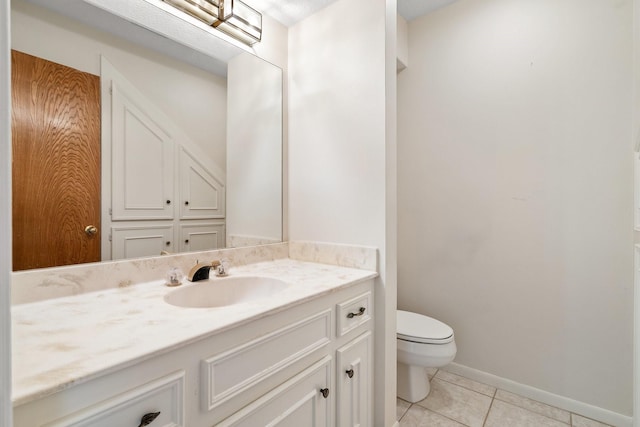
[141,241]
[142,163]
[201,193]
[201,236]
[298,402]
[353,383]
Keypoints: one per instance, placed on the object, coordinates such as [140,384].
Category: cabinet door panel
[141,241]
[142,163]
[354,362]
[231,374]
[297,402]
[201,237]
[202,194]
[164,396]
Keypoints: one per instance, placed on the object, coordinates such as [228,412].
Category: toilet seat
[418,328]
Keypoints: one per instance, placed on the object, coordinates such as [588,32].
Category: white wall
[636,121]
[195,99]
[337,150]
[515,190]
[386,301]
[403,43]
[273,47]
[254,153]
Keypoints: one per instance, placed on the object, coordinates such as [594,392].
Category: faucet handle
[220,267]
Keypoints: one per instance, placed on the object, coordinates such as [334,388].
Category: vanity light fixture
[208,11]
[232,17]
[241,21]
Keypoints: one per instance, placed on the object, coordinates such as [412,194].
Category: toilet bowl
[423,342]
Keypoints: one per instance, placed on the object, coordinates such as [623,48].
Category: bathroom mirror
[222,112]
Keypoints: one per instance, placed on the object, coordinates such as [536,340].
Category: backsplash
[37,285]
[360,257]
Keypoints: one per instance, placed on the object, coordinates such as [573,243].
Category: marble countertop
[65,341]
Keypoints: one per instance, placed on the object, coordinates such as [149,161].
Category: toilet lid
[419,328]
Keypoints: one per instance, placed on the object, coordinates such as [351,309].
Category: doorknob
[91,230]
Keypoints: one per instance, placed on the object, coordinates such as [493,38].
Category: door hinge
[110,237]
[110,212]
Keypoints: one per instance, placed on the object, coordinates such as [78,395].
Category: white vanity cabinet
[308,364]
[308,359]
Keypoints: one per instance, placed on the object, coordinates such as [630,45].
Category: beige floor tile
[466,383]
[579,421]
[504,414]
[532,405]
[401,407]
[457,403]
[418,416]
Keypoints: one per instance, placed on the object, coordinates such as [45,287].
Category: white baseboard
[584,409]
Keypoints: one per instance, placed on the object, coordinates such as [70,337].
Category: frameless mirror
[189,151]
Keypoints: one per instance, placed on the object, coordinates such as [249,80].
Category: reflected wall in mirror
[191,160]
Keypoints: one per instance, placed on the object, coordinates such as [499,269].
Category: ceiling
[411,9]
[288,12]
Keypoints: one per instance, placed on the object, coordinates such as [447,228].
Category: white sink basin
[224,291]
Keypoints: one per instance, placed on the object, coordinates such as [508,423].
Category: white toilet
[423,343]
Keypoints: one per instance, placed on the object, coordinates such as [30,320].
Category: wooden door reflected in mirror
[55,125]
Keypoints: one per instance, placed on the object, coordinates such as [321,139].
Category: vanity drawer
[353,313]
[229,374]
[164,395]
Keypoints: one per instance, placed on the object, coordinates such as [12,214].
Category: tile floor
[455,401]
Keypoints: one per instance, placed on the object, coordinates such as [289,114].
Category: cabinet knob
[168,243]
[148,418]
[168,202]
[186,203]
[186,241]
[359,313]
[324,392]
[349,373]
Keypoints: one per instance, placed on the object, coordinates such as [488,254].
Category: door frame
[5,215]
[636,225]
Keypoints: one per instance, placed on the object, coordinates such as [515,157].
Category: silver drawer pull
[148,418]
[325,392]
[350,373]
[359,313]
